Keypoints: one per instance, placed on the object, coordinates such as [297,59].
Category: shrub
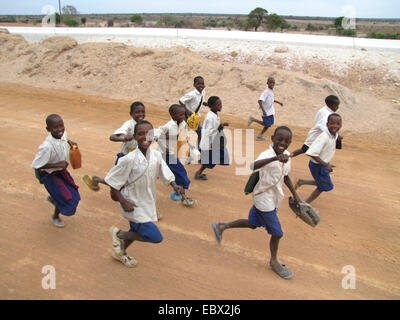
[71,22]
[136,19]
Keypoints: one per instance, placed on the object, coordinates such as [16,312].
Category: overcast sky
[322,8]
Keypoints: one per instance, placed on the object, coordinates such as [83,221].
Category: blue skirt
[66,207]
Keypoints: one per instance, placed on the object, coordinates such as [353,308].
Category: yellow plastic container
[75,157]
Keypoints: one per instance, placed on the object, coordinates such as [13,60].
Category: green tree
[136,19]
[275,21]
[256,17]
[338,22]
[83,20]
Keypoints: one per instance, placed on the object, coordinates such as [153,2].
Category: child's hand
[329,167]
[179,190]
[225,124]
[62,164]
[283,157]
[128,206]
[72,143]
[128,137]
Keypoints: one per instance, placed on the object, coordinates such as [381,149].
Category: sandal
[89,183]
[188,202]
[200,176]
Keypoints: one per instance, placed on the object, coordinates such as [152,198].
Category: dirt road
[359,219]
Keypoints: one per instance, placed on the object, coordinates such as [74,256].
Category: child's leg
[301,182]
[96,180]
[240,223]
[314,195]
[200,172]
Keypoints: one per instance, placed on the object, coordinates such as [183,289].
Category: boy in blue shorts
[133,183]
[273,166]
[321,153]
[267,110]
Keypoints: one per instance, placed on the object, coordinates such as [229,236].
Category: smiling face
[199,85]
[179,115]
[138,113]
[271,83]
[56,127]
[217,107]
[281,140]
[144,136]
[334,124]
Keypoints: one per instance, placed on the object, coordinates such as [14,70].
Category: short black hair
[212,100]
[139,123]
[174,108]
[135,104]
[51,118]
[334,115]
[283,128]
[197,79]
[331,100]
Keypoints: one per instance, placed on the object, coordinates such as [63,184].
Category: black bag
[251,183]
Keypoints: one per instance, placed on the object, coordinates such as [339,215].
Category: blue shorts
[268,120]
[267,219]
[179,171]
[147,230]
[321,176]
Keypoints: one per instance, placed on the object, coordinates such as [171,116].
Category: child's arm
[59,165]
[178,189]
[279,102]
[121,137]
[222,125]
[261,107]
[128,206]
[290,186]
[261,163]
[72,143]
[327,165]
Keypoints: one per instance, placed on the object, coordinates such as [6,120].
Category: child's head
[215,104]
[271,83]
[332,102]
[137,111]
[177,112]
[334,123]
[55,125]
[143,134]
[281,139]
[198,83]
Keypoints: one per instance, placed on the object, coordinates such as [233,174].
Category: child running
[51,164]
[125,133]
[274,166]
[167,138]
[331,105]
[321,152]
[194,100]
[267,110]
[133,182]
[213,152]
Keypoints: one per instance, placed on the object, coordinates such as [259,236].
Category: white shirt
[324,147]
[319,125]
[52,151]
[173,130]
[209,130]
[267,98]
[139,175]
[127,128]
[268,192]
[192,100]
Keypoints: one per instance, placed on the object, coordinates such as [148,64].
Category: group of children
[132,180]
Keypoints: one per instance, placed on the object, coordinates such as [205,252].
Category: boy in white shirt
[321,152]
[125,133]
[267,110]
[331,105]
[273,166]
[133,183]
[167,138]
[194,100]
[51,164]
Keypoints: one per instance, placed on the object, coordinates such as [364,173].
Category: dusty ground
[359,219]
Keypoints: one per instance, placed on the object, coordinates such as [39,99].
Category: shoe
[188,202]
[200,176]
[251,119]
[57,222]
[175,196]
[128,261]
[117,244]
[261,138]
[188,160]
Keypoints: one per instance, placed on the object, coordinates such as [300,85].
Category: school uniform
[324,146]
[267,99]
[268,193]
[173,130]
[127,146]
[212,155]
[137,174]
[59,183]
[320,121]
[193,101]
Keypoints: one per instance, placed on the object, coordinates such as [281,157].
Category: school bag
[194,119]
[251,182]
